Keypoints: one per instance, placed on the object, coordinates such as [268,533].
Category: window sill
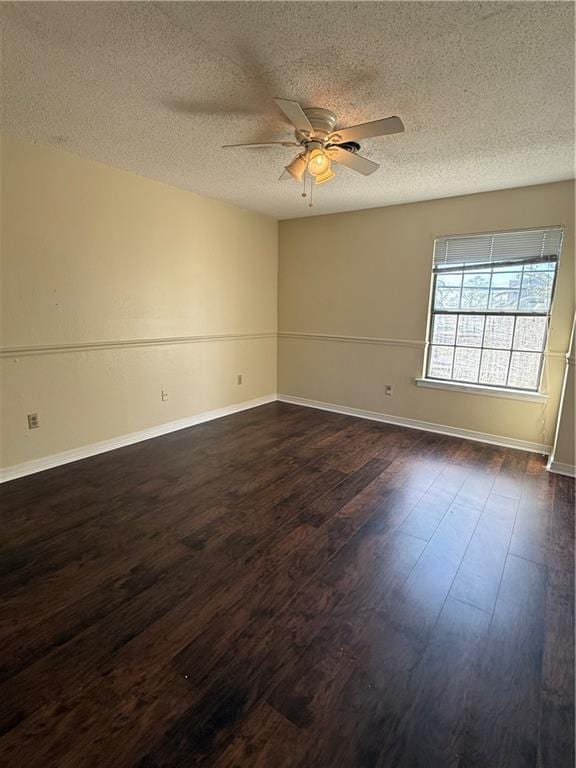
[475,389]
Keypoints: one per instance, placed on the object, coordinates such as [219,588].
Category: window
[490,309]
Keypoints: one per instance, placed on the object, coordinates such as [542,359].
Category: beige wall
[564,445]
[94,254]
[367,274]
[91,255]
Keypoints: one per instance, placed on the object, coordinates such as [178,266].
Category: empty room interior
[287,384]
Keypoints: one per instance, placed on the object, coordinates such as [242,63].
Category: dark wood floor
[289,587]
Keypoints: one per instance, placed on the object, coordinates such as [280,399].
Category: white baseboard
[66,457]
[466,434]
[84,452]
[561,469]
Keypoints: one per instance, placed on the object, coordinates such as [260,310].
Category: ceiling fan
[320,144]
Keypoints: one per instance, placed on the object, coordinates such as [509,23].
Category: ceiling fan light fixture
[329,174]
[319,145]
[297,167]
[318,163]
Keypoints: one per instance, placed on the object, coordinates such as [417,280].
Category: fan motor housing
[322,120]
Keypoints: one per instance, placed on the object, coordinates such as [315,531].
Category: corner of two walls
[116,287]
[354,292]
[563,456]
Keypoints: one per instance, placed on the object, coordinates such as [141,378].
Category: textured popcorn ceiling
[485,91]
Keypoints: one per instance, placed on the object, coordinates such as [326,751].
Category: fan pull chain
[304,193]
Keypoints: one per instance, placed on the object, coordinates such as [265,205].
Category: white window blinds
[491,248]
[491,300]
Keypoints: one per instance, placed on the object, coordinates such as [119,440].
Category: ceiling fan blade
[351,160]
[296,115]
[296,168]
[285,176]
[366,130]
[262,144]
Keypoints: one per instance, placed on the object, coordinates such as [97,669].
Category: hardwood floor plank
[243,671]
[24,694]
[21,649]
[428,513]
[141,465]
[510,479]
[556,737]
[289,587]
[530,536]
[173,520]
[477,487]
[327,620]
[341,521]
[265,739]
[392,642]
[432,730]
[480,572]
[503,721]
[429,583]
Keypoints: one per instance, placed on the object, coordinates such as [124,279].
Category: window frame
[432,312]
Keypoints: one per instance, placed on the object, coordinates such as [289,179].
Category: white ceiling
[486,91]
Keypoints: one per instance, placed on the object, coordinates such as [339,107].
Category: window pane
[447,298]
[506,279]
[504,299]
[470,330]
[466,364]
[444,331]
[490,323]
[494,367]
[474,298]
[524,370]
[530,333]
[477,279]
[536,292]
[498,333]
[542,266]
[441,362]
[449,280]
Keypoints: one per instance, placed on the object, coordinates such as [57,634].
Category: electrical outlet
[239,378]
[163,395]
[33,422]
[388,390]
